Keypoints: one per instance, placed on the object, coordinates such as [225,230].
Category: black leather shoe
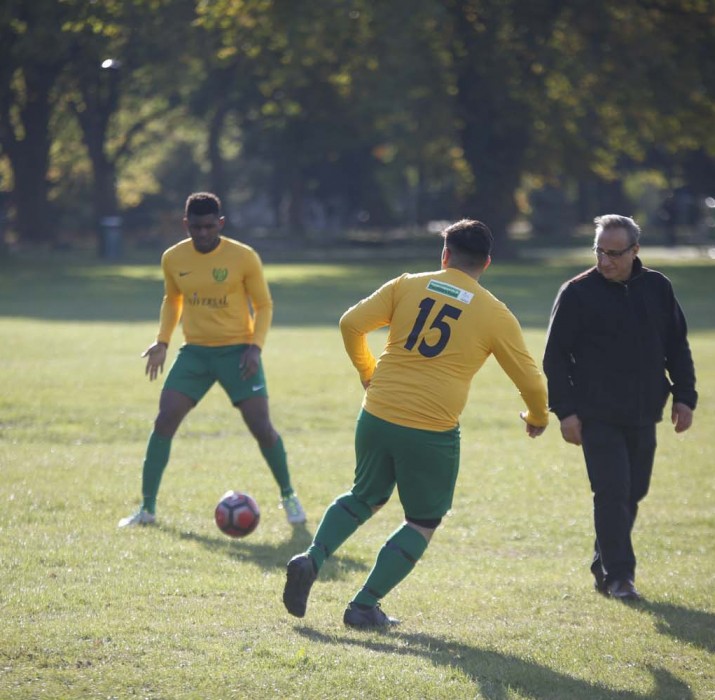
[623,589]
[300,577]
[367,618]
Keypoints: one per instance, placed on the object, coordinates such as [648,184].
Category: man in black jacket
[615,331]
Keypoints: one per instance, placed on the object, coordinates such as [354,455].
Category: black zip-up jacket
[610,344]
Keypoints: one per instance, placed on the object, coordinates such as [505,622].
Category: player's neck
[474,273]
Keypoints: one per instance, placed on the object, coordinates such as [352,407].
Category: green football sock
[344,515]
[157,457]
[396,559]
[277,460]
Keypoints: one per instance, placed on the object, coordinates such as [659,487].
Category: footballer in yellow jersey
[216,287]
[442,327]
[221,296]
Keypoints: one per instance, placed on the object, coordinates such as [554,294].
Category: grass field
[500,607]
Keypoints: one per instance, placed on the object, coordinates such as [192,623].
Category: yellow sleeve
[171,306]
[367,315]
[260,295]
[511,353]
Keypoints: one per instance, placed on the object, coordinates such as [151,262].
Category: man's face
[614,254]
[204,231]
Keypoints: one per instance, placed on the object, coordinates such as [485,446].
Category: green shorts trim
[197,368]
[423,464]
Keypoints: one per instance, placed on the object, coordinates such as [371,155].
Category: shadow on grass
[268,556]
[313,294]
[695,627]
[497,675]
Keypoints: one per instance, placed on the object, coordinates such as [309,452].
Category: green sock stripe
[395,548]
[344,515]
[351,513]
[371,592]
[322,548]
[409,541]
[358,510]
[394,562]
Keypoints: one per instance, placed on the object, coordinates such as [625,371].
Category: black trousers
[619,461]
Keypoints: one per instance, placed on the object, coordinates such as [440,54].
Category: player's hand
[682,417]
[571,429]
[155,358]
[250,362]
[365,383]
[532,431]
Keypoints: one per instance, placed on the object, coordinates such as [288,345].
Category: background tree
[115,44]
[336,114]
[494,48]
[31,40]
[285,73]
[628,85]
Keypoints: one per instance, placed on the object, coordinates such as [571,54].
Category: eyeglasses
[611,254]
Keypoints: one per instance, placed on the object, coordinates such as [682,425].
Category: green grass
[500,607]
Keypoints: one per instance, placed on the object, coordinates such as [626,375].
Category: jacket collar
[636,272]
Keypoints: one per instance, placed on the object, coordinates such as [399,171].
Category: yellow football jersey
[221,297]
[443,327]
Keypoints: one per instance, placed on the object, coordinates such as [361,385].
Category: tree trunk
[495,122]
[32,208]
[218,171]
[100,92]
[30,156]
[495,152]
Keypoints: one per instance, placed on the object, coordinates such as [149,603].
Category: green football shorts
[422,463]
[197,367]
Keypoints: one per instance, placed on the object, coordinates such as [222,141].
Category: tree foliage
[379,113]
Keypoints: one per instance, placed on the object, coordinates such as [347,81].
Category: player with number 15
[443,325]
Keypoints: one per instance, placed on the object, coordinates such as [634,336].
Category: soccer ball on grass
[237,514]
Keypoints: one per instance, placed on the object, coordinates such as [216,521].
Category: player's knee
[167,423]
[173,408]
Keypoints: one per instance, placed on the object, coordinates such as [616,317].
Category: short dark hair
[201,204]
[469,241]
[618,221]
